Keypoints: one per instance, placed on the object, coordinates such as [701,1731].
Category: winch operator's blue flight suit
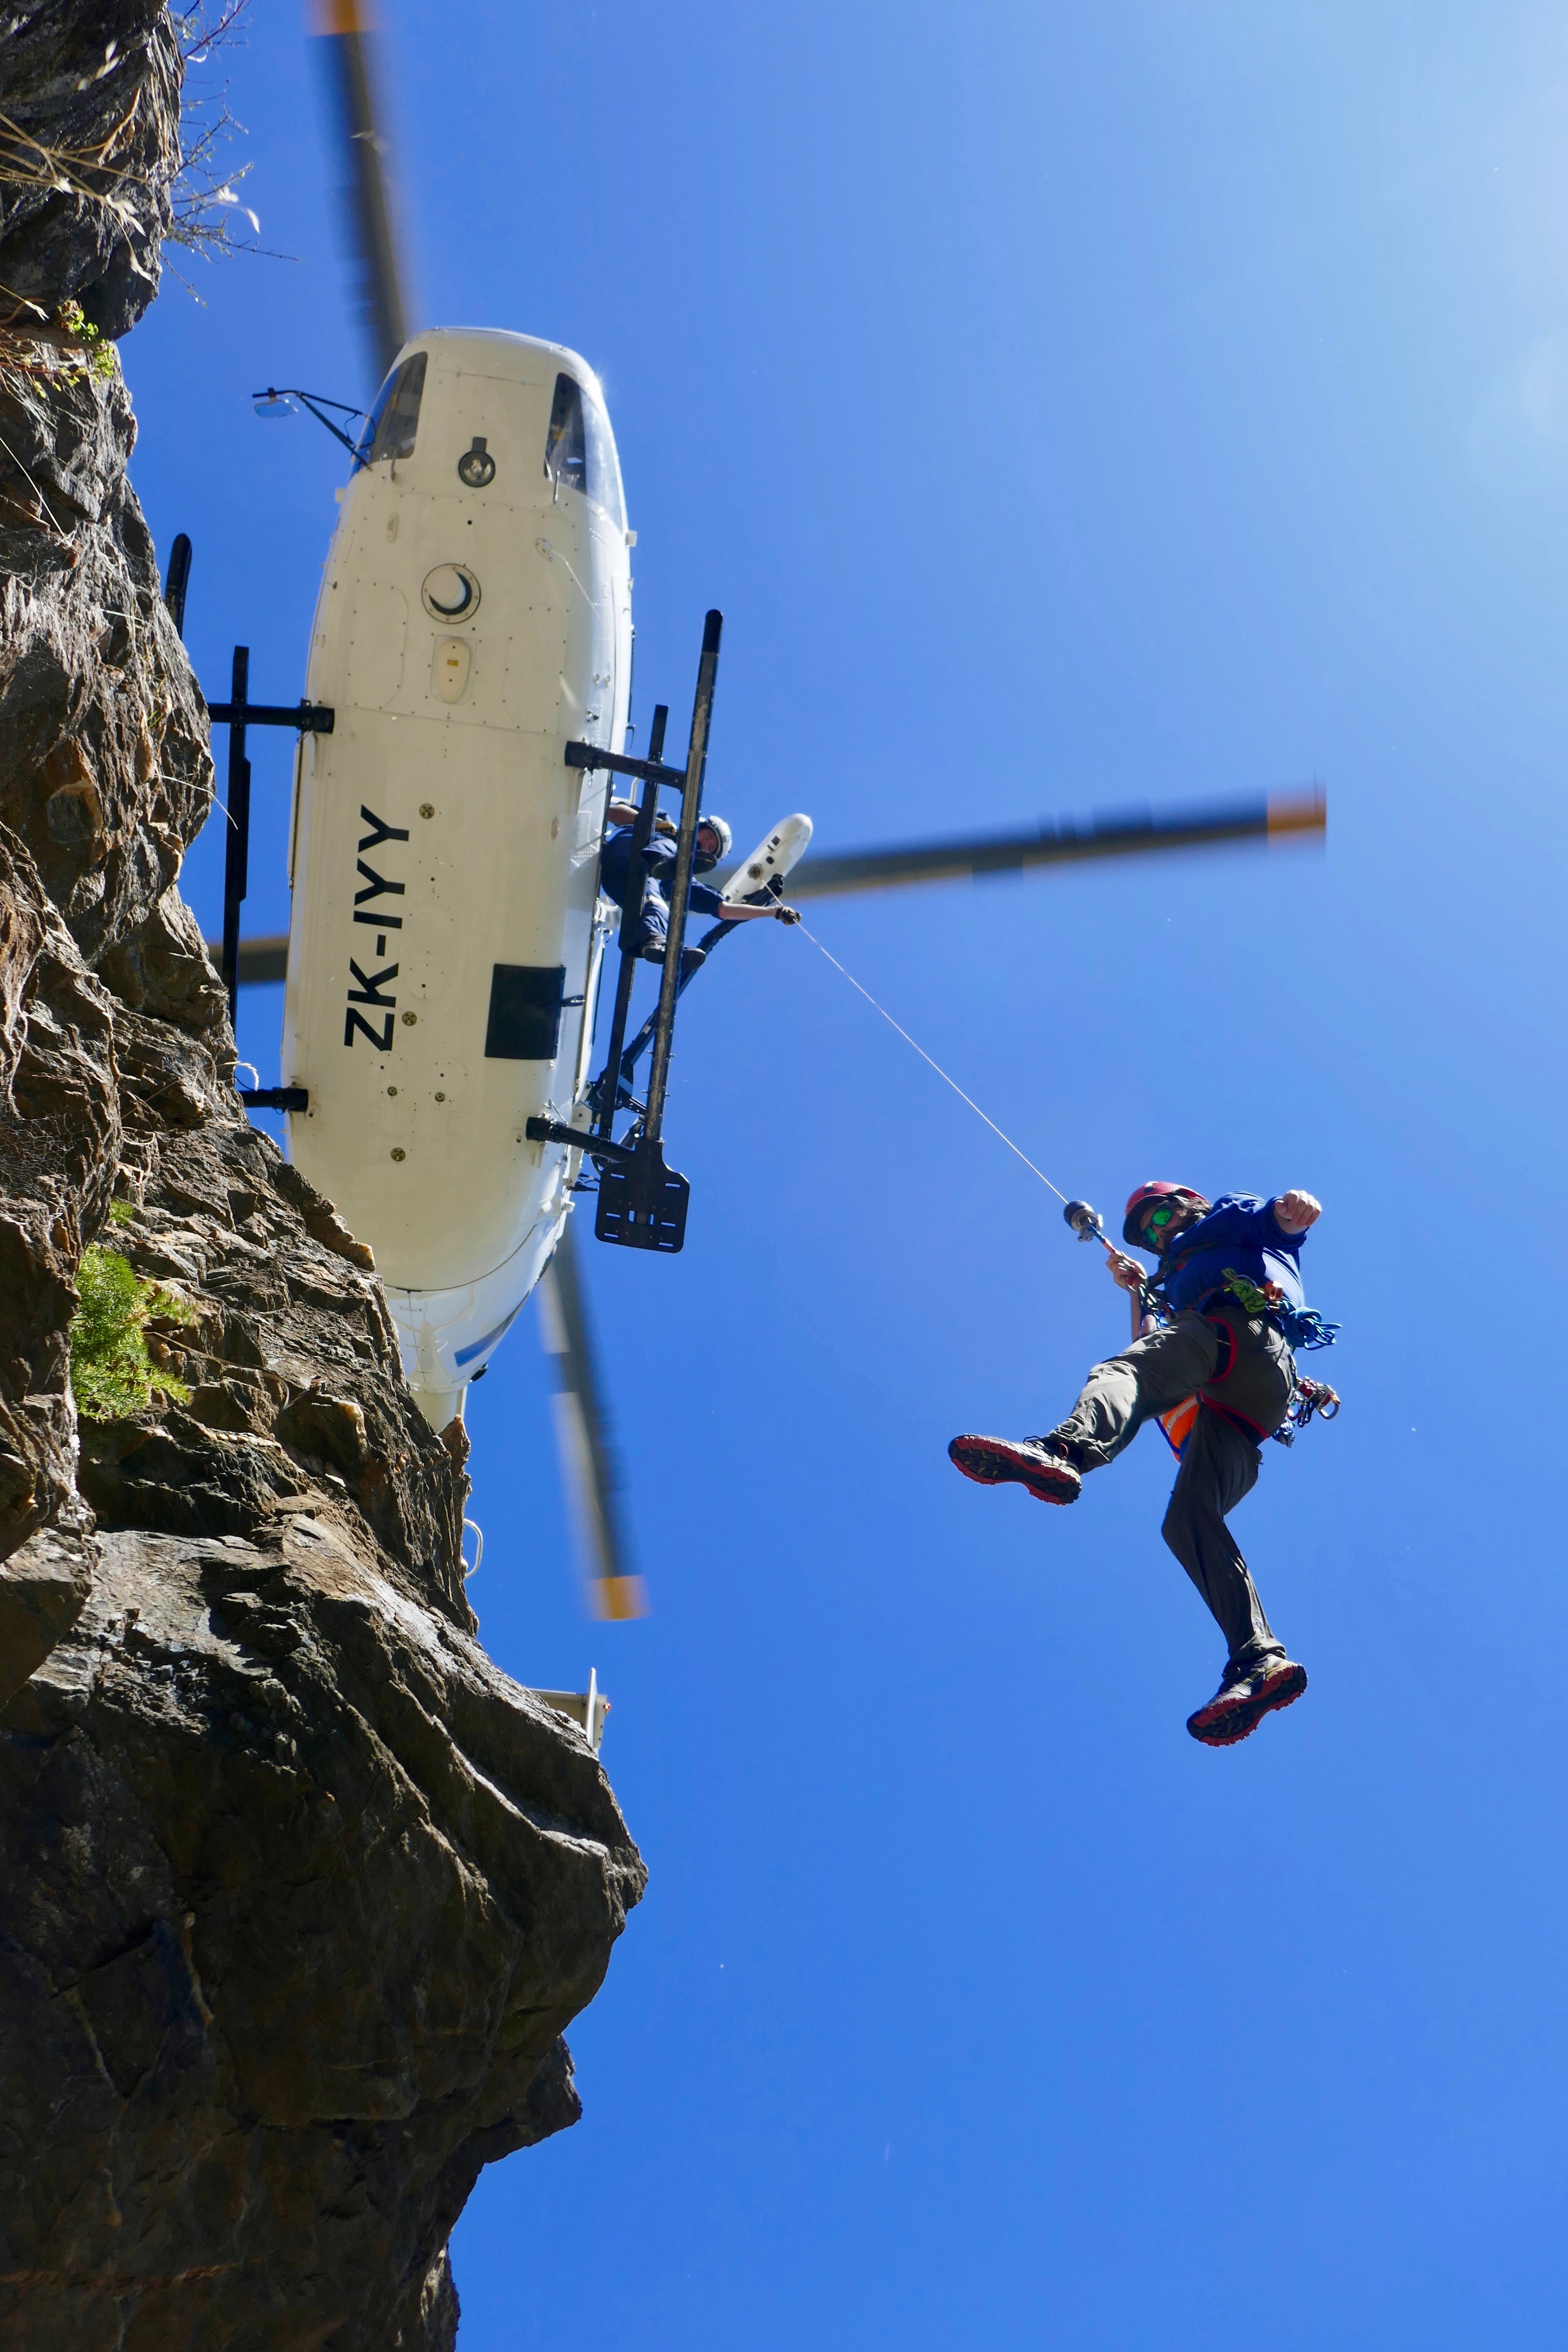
[659,857]
[1239,1366]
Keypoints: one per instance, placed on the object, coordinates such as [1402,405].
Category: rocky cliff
[297,1891]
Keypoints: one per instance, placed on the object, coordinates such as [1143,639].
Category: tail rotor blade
[587,1445]
[345,30]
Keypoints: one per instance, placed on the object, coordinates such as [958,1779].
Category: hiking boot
[1244,1698]
[1028,1462]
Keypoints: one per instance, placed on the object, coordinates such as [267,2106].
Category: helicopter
[466,717]
[474,617]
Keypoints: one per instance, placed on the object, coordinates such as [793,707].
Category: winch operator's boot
[1033,1463]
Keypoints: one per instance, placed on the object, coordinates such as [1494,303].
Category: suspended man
[1214,1362]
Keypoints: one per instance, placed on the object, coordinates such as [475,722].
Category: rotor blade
[1128,836]
[1280,819]
[587,1445]
[261,960]
[343,27]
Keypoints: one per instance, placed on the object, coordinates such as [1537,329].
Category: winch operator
[1229,1283]
[712,844]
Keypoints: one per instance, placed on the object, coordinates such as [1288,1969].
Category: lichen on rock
[298,1890]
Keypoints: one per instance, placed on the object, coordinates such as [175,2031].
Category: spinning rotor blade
[343,27]
[953,861]
[582,1427]
[1279,819]
[261,960]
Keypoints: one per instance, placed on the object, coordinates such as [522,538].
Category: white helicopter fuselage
[444,949]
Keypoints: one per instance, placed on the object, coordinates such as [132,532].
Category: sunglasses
[1157,1219]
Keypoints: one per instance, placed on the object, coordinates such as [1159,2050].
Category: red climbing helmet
[1131,1233]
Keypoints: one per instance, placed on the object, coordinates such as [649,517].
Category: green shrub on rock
[111,1371]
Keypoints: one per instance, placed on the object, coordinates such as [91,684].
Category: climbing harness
[1176,1426]
[1298,1327]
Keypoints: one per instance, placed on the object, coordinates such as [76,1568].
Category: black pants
[1255,1375]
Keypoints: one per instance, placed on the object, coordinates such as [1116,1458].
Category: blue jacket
[659,860]
[1239,1231]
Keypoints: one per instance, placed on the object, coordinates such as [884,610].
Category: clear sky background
[1070,410]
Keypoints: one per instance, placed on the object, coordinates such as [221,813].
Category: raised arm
[731,913]
[625,813]
[1294,1212]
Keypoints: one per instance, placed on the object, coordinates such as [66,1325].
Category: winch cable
[942,1074]
[1314,1396]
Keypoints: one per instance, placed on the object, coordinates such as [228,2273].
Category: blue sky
[1070,410]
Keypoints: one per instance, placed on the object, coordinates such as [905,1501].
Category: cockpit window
[394,420]
[565,454]
[603,471]
[579,452]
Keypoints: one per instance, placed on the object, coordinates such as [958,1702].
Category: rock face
[300,1892]
[297,1891]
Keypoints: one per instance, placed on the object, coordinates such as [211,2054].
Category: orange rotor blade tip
[333,16]
[620,1597]
[1297,812]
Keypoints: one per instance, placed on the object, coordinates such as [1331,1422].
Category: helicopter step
[642,1202]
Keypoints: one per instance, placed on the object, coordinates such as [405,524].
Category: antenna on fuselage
[345,30]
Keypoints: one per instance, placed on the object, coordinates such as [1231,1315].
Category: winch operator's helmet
[1131,1233]
[705,859]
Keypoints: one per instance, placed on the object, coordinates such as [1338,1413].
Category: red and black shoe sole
[991,1461]
[1231,1725]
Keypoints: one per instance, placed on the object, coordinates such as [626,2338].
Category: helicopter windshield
[578,449]
[394,420]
